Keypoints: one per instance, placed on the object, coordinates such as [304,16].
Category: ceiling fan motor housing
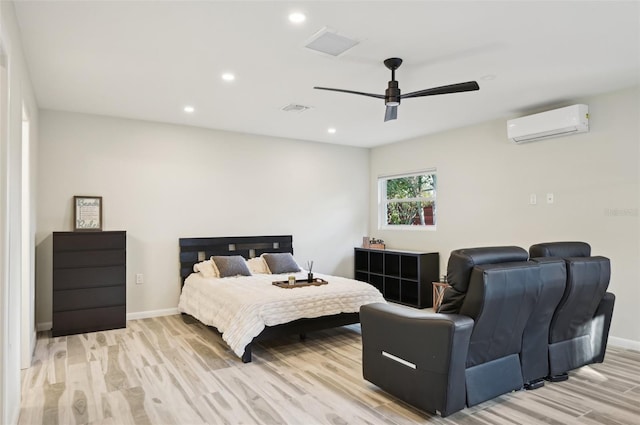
[392,94]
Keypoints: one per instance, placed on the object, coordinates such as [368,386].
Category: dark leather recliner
[442,362]
[580,326]
[534,356]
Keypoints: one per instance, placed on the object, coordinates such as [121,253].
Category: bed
[249,309]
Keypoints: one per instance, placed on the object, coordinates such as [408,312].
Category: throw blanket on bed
[240,307]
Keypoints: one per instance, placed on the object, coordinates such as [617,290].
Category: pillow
[206,268]
[257,265]
[281,263]
[232,265]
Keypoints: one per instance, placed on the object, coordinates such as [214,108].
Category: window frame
[383,201]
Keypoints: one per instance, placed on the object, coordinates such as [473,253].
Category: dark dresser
[89,281]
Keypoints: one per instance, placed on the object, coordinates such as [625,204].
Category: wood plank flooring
[173,370]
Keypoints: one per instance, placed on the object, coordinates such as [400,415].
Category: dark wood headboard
[194,250]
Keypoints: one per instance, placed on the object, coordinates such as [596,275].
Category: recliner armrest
[416,356]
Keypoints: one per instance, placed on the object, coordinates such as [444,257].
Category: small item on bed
[299,283]
[310,271]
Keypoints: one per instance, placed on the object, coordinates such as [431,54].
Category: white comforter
[240,307]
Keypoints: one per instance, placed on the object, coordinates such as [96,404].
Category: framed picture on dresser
[87,213]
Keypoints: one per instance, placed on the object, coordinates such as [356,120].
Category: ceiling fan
[392,95]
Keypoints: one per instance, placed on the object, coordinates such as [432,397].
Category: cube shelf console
[402,276]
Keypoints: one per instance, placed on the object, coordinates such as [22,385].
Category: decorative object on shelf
[310,271]
[365,241]
[438,293]
[292,280]
[87,213]
[376,243]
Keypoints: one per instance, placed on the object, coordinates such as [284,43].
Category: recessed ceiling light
[189,109]
[297,17]
[227,76]
[331,130]
[488,77]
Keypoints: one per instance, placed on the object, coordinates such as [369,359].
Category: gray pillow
[281,263]
[232,265]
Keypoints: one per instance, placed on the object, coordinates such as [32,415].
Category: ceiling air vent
[294,107]
[329,42]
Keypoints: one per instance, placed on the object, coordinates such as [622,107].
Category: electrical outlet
[139,278]
[549,198]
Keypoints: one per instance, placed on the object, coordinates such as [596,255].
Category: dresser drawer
[91,320]
[73,241]
[89,277]
[81,299]
[89,258]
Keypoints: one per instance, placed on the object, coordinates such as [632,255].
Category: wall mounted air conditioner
[555,123]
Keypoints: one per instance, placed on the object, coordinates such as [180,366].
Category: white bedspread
[240,307]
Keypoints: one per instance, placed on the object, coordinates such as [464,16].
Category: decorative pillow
[232,265]
[281,263]
[206,268]
[257,265]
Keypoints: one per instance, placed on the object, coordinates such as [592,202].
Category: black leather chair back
[498,288]
[461,264]
[580,325]
[534,356]
[500,299]
[560,249]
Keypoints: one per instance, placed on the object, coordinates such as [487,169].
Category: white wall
[484,183]
[162,182]
[12,216]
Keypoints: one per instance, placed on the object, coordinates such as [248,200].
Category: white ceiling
[148,59]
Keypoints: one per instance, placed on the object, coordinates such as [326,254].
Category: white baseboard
[16,414]
[46,326]
[624,343]
[152,313]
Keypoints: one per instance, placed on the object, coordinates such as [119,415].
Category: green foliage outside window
[410,200]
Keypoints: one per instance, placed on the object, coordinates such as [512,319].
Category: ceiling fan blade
[452,88]
[378,96]
[391,113]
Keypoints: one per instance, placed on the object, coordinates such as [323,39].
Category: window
[408,201]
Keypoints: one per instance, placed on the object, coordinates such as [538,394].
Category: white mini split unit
[545,125]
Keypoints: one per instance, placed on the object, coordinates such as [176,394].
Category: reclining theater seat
[534,356]
[580,326]
[442,362]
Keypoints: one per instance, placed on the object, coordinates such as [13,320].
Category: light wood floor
[171,370]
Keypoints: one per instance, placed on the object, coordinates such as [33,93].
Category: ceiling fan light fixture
[392,94]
